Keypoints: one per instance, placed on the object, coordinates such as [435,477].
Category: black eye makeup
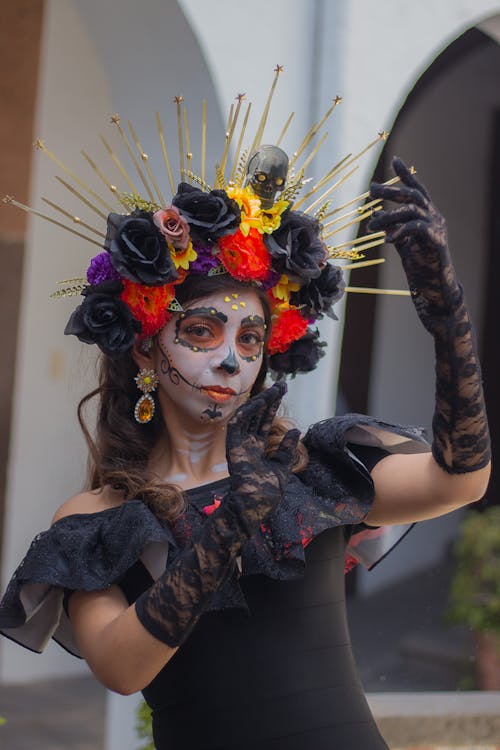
[251,338]
[201,329]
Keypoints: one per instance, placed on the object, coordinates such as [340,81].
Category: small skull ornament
[266,173]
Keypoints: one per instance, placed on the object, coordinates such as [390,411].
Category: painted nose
[230,364]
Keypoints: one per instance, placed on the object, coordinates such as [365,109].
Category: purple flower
[205,261]
[101,269]
[271,280]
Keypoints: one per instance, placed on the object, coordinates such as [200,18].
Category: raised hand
[257,479]
[171,607]
[460,428]
[418,232]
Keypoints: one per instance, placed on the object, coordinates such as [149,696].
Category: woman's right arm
[118,649]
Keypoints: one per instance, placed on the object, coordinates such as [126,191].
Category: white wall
[47,455]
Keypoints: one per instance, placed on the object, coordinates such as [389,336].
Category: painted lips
[218,394]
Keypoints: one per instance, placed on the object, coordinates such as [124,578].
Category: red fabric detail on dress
[209,509]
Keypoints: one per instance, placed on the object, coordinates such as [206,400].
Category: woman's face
[208,357]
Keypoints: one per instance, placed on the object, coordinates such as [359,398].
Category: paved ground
[54,715]
[401,640]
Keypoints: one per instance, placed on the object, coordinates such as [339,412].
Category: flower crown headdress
[248,225]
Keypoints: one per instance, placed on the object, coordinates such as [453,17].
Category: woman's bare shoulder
[92,501]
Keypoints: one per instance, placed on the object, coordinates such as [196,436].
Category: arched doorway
[449,129]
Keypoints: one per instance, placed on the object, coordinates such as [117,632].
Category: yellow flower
[182,258]
[252,215]
[284,288]
[271,217]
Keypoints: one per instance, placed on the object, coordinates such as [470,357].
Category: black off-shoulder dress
[269,665]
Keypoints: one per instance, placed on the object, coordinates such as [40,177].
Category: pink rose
[174,226]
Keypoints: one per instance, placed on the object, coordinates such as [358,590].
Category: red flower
[246,258]
[148,304]
[289,327]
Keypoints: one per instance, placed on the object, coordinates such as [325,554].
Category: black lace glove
[460,429]
[172,606]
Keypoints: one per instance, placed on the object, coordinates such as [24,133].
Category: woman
[211,546]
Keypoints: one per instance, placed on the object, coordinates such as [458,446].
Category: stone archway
[445,128]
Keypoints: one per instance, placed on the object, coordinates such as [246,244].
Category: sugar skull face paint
[209,356]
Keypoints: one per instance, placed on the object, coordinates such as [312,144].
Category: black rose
[296,247]
[302,356]
[319,295]
[209,215]
[138,250]
[104,319]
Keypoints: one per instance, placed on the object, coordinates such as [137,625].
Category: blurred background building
[427,72]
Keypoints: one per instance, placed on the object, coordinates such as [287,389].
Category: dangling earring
[146,380]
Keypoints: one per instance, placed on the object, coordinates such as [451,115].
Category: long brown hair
[121,448]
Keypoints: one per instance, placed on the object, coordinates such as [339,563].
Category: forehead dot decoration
[243,304]
[257,223]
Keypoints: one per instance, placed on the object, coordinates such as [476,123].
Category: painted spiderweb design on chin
[213,412]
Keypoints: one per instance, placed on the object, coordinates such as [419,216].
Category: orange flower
[148,304]
[289,326]
[245,258]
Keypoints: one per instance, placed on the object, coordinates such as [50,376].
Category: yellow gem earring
[146,380]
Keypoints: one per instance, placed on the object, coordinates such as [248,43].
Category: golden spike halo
[375,290]
[265,114]
[314,130]
[115,120]
[9,200]
[40,146]
[315,199]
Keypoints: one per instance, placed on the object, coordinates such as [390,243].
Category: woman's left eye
[250,338]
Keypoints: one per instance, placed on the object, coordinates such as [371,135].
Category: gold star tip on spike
[8,199]
[39,144]
[240,97]
[115,119]
[279,69]
[384,135]
[338,99]
[178,99]
[413,170]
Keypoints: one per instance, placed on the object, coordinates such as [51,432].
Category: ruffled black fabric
[82,552]
[94,551]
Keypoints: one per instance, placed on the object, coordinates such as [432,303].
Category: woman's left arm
[416,487]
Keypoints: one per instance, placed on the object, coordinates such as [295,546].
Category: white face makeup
[209,356]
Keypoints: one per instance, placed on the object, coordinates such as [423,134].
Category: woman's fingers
[407,178]
[386,219]
[417,228]
[274,403]
[256,415]
[285,453]
[398,194]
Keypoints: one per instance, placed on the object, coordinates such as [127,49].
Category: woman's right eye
[198,330]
